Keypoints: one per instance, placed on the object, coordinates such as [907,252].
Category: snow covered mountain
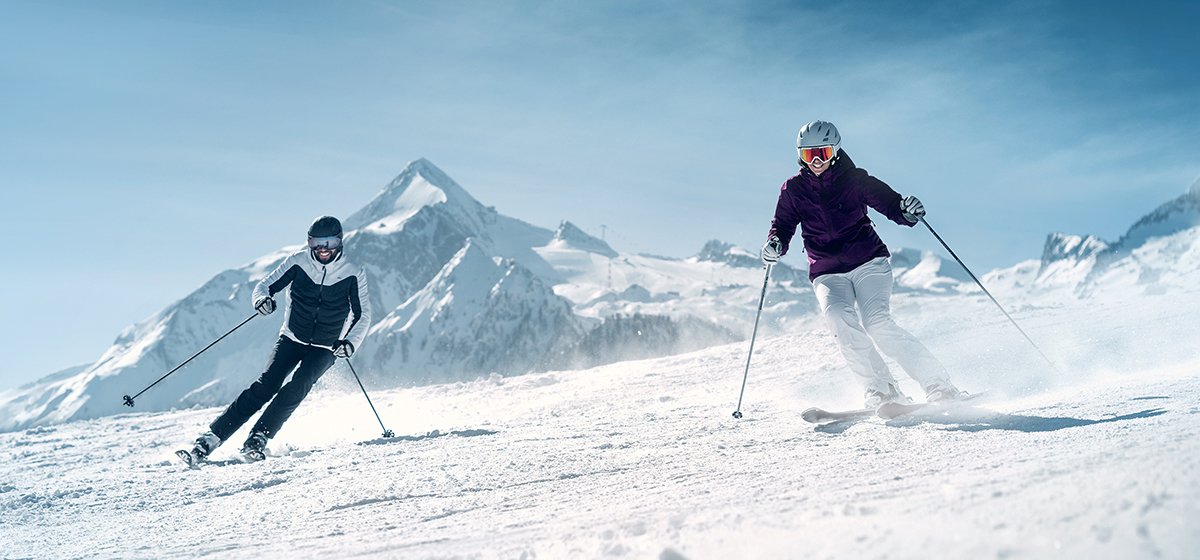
[924,271]
[1068,259]
[405,238]
[569,236]
[723,291]
[148,349]
[479,314]
[1160,252]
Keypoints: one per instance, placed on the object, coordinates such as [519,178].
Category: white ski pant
[859,332]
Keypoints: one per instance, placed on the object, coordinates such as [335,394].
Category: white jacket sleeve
[274,282]
[360,309]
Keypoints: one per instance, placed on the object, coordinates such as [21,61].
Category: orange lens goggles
[823,153]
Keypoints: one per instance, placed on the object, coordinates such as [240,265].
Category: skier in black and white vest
[326,317]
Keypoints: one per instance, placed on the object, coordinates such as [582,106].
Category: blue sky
[146,146]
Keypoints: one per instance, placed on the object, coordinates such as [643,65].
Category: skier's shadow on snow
[837,426]
[430,435]
[974,419]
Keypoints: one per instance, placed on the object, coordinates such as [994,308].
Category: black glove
[265,305]
[772,250]
[343,349]
[912,208]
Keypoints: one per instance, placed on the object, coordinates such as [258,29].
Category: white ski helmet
[818,133]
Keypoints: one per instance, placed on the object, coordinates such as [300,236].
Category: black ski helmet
[325,231]
[325,226]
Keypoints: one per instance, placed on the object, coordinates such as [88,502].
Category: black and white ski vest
[325,302]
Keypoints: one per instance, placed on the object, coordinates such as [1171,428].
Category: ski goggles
[330,243]
[823,153]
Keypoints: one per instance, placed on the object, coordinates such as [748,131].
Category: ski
[892,410]
[191,460]
[822,416]
[253,455]
[255,448]
[887,411]
[196,463]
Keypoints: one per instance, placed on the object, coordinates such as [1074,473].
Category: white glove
[912,208]
[265,305]
[772,250]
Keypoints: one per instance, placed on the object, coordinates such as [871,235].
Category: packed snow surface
[1099,459]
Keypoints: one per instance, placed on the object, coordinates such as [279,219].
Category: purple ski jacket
[831,211]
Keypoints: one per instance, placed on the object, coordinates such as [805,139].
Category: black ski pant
[313,362]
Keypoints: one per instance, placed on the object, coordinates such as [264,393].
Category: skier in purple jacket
[849,265]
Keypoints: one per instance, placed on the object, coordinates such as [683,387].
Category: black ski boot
[205,444]
[255,448]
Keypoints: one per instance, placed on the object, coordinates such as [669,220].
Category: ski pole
[989,294]
[761,298]
[386,432]
[129,400]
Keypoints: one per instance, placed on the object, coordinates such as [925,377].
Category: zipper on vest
[317,311]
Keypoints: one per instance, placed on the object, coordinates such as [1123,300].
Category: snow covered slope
[642,459]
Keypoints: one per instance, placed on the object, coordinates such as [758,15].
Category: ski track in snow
[643,459]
